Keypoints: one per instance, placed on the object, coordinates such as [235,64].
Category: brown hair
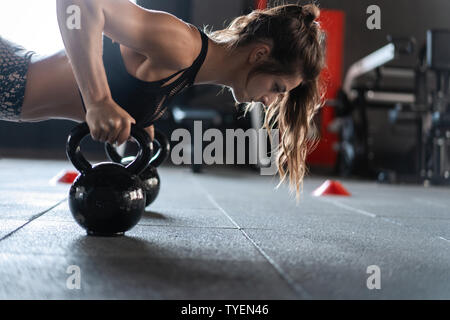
[297,49]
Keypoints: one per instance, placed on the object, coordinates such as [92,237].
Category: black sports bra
[143,100]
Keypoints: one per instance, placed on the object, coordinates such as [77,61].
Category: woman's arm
[84,48]
[156,34]
[166,37]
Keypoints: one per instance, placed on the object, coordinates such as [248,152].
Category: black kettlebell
[107,199]
[150,176]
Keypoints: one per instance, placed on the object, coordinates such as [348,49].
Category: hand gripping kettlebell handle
[74,154]
[163,151]
[158,158]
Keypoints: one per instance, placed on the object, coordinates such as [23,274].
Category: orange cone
[331,187]
[64,176]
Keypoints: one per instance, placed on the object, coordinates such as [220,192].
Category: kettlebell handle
[156,160]
[74,154]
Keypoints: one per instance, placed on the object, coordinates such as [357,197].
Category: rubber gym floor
[227,234]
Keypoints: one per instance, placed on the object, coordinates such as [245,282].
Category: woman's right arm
[107,121]
[155,34]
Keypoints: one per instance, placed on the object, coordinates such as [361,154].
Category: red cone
[64,176]
[331,187]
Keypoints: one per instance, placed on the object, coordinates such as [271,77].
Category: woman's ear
[259,53]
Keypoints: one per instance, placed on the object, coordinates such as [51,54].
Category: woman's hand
[151,132]
[108,122]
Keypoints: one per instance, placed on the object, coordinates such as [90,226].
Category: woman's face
[265,88]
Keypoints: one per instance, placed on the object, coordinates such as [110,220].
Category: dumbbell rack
[436,129]
[436,140]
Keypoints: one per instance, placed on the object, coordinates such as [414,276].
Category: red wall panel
[332,22]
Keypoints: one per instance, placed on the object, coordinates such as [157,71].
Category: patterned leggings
[14,61]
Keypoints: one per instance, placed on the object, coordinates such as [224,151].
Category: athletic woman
[125,63]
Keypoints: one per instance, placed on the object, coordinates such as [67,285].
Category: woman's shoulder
[178,52]
[177,45]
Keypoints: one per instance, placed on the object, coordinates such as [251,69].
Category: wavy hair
[297,50]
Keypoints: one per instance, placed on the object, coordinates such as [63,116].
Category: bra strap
[163,81]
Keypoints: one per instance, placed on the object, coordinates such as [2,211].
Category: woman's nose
[267,100]
[263,100]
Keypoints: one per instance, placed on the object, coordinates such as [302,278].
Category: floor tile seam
[379,217]
[31,219]
[296,287]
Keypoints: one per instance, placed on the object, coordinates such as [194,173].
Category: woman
[124,64]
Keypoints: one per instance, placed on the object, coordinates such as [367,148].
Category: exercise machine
[394,122]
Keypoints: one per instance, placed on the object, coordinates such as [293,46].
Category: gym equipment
[331,188]
[190,109]
[435,80]
[107,199]
[187,116]
[376,121]
[394,122]
[150,176]
[64,177]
